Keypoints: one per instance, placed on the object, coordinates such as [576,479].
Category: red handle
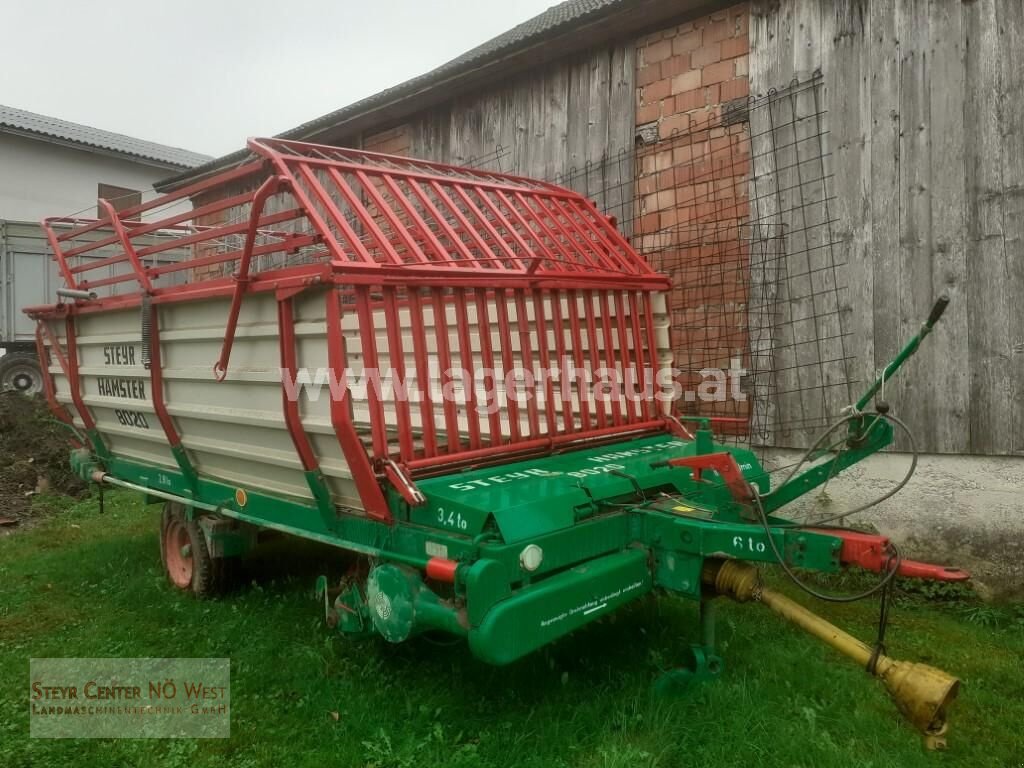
[872,552]
[724,464]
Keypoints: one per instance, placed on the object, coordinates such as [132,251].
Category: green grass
[81,584]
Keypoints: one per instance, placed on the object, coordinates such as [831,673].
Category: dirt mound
[34,450]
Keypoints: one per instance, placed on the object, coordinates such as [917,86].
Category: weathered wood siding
[926,121]
[548,123]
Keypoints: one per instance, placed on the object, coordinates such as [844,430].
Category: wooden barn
[812,175]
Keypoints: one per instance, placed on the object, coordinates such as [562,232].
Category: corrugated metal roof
[554,19]
[54,129]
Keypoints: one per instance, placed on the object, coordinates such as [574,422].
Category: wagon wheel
[20,371]
[186,558]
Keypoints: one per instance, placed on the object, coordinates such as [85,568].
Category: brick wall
[692,204]
[687,71]
[394,141]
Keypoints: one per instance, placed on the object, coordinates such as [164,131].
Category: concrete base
[964,511]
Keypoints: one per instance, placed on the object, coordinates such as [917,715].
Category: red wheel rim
[178,554]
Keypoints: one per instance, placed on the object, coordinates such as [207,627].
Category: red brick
[687,81]
[700,171]
[647,75]
[676,65]
[674,125]
[663,160]
[735,89]
[385,136]
[390,148]
[666,198]
[735,46]
[657,91]
[682,155]
[683,175]
[742,21]
[715,73]
[687,42]
[684,102]
[648,113]
[691,194]
[698,132]
[718,30]
[708,210]
[649,222]
[668,218]
[706,54]
[648,39]
[658,51]
[711,95]
[726,188]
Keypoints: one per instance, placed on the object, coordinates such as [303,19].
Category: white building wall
[39,179]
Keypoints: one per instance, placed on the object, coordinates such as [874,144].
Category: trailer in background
[29,276]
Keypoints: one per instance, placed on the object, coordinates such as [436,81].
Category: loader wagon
[463,377]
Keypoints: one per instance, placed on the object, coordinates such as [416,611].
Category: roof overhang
[617,21]
[92,149]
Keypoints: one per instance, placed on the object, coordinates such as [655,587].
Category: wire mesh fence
[737,209]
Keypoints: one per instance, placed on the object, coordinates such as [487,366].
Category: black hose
[892,563]
[863,507]
[895,558]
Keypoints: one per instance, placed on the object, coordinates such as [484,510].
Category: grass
[82,584]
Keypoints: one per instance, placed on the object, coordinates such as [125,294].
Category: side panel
[537,615]
[234,430]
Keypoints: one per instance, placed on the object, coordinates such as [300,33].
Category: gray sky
[205,75]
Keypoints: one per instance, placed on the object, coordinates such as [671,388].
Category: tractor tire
[186,558]
[20,371]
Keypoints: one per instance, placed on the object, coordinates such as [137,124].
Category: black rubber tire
[211,576]
[20,371]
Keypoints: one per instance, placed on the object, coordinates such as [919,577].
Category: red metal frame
[292,418]
[156,381]
[259,200]
[49,388]
[873,552]
[68,363]
[126,244]
[407,240]
[724,464]
[341,419]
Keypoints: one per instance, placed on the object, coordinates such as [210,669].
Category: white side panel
[235,431]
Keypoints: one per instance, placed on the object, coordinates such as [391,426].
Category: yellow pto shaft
[922,693]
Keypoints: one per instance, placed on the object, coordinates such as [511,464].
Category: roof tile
[53,128]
